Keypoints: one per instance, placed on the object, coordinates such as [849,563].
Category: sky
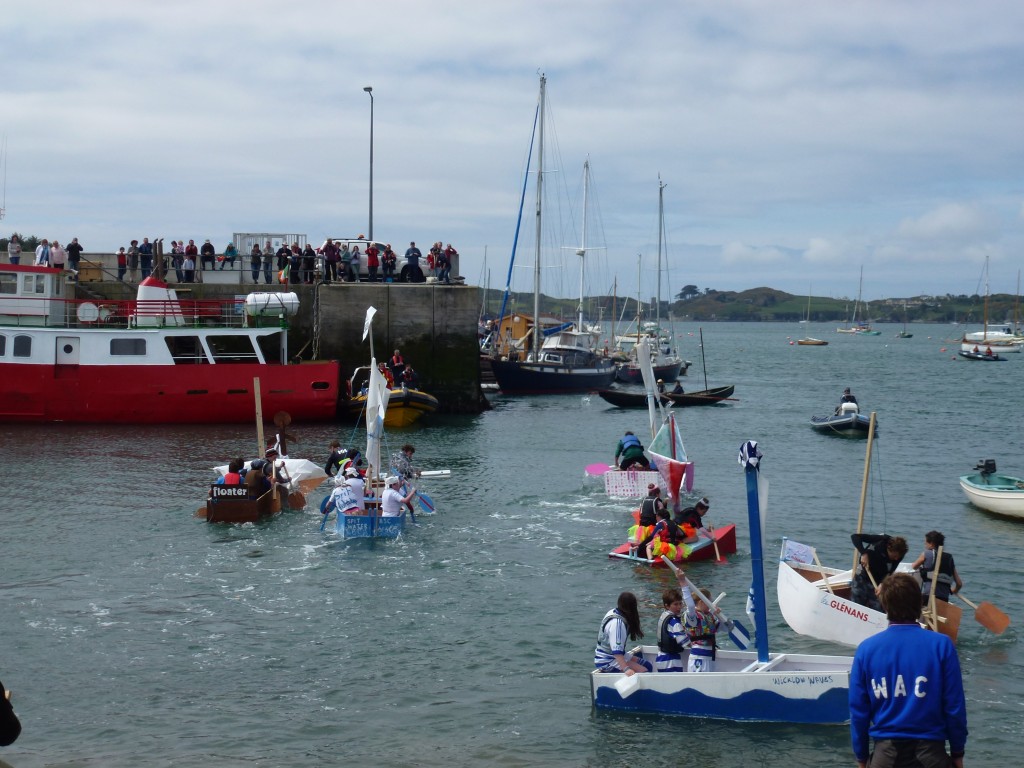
[799,141]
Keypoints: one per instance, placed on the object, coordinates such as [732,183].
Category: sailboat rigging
[668,366]
[566,358]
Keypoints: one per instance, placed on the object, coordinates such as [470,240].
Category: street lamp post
[369,90]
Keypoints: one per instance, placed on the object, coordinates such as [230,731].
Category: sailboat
[863,327]
[904,334]
[668,366]
[810,341]
[567,360]
[371,524]
[985,345]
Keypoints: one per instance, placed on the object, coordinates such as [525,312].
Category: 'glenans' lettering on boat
[802,680]
[846,608]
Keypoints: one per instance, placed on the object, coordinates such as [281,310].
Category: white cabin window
[33,284]
[3,345]
[136,347]
[9,284]
[22,346]
[232,349]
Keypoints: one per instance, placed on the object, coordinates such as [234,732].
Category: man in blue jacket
[906,691]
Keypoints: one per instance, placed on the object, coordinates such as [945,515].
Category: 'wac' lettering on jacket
[881,690]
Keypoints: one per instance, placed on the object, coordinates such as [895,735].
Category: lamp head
[368,89]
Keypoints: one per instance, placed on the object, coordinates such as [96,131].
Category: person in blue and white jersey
[620,624]
[906,689]
[672,638]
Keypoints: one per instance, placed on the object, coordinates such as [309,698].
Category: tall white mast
[540,191]
[661,230]
[582,251]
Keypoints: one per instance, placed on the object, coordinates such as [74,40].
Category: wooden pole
[259,417]
[864,488]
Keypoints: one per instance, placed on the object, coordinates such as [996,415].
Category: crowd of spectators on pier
[341,261]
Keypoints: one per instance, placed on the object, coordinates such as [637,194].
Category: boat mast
[661,230]
[540,190]
[984,327]
[582,250]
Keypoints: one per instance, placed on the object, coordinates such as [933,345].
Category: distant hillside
[770,305]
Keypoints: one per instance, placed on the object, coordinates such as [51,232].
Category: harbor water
[134,634]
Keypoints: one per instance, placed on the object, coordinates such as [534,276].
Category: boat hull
[405,406]
[810,342]
[629,373]
[230,504]
[999,494]
[703,549]
[370,526]
[809,608]
[623,399]
[527,378]
[166,394]
[982,357]
[792,688]
[843,425]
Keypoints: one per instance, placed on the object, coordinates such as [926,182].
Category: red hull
[725,536]
[164,394]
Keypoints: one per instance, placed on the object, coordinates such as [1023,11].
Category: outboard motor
[986,466]
[848,408]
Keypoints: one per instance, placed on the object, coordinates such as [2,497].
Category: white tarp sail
[376,406]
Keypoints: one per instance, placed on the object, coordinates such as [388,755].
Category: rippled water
[134,634]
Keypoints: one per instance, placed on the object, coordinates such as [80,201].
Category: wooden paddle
[817,562]
[986,614]
[714,540]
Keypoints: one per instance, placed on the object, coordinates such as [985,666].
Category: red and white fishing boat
[155,359]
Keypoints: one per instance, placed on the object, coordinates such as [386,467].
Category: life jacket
[702,632]
[232,478]
[946,568]
[609,617]
[666,642]
[631,441]
[648,511]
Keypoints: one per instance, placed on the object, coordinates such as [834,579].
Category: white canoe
[809,608]
[791,688]
[999,494]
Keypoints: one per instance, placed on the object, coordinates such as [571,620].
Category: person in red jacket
[372,262]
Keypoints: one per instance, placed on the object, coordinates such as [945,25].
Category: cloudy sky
[799,141]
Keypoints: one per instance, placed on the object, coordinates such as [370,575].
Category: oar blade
[426,503]
[990,617]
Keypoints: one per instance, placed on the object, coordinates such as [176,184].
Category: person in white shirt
[392,501]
